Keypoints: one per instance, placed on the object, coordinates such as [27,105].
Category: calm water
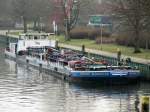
[27,90]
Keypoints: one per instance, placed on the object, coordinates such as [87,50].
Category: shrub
[86,32]
[105,40]
[79,33]
[129,41]
[93,33]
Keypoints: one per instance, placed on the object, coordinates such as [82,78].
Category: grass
[105,47]
[15,33]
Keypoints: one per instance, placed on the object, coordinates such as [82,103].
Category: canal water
[25,89]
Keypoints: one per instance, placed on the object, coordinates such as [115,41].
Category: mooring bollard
[56,44]
[40,67]
[118,57]
[145,107]
[27,61]
[83,49]
[7,41]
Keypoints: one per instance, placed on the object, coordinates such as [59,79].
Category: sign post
[55,28]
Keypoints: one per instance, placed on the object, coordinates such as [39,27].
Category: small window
[35,38]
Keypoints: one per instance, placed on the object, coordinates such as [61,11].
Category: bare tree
[132,15]
[5,10]
[87,8]
[2,6]
[22,10]
[70,12]
[32,10]
[41,9]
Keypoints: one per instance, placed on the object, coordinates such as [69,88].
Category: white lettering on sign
[119,73]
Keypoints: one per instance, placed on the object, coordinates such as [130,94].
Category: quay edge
[145,68]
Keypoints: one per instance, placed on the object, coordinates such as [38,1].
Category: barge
[38,51]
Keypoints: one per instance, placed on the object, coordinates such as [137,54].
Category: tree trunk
[137,49]
[137,26]
[39,26]
[35,24]
[67,36]
[137,37]
[146,43]
[25,24]
[67,32]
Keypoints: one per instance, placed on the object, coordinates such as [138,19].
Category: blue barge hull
[106,76]
[103,76]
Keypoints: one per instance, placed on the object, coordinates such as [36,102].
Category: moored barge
[37,50]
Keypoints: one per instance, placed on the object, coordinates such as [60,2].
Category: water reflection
[111,99]
[24,89]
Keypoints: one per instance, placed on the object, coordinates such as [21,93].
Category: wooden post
[118,57]
[145,104]
[8,40]
[83,49]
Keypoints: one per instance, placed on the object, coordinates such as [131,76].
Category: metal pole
[41,23]
[101,38]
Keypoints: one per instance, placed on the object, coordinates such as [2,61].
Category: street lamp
[101,40]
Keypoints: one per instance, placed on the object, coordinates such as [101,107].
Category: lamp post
[101,40]
[54,26]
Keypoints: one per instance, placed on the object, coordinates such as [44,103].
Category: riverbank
[108,50]
[142,64]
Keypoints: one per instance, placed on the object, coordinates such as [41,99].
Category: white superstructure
[33,40]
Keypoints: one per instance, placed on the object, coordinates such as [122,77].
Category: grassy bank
[105,47]
[15,33]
